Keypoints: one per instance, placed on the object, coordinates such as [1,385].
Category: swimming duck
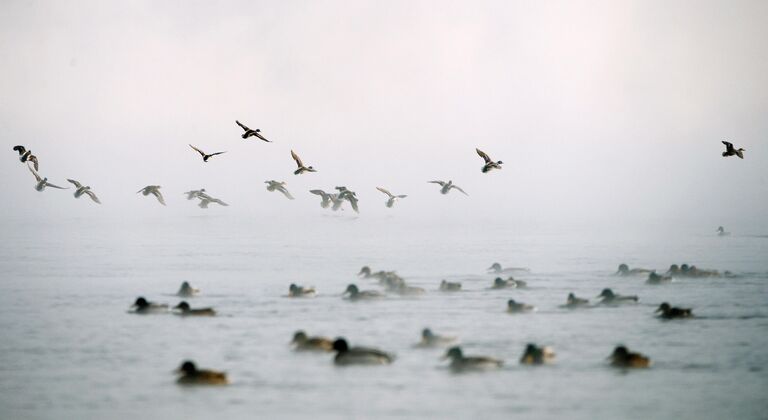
[26,155]
[359,355]
[194,193]
[250,133]
[459,362]
[205,156]
[381,275]
[301,168]
[669,312]
[654,278]
[447,187]
[489,164]
[83,190]
[305,343]
[610,298]
[142,306]
[721,231]
[430,339]
[575,302]
[299,291]
[154,190]
[731,151]
[625,271]
[499,283]
[185,310]
[356,294]
[42,182]
[516,307]
[191,375]
[278,186]
[622,358]
[496,268]
[535,355]
[186,290]
[392,198]
[448,286]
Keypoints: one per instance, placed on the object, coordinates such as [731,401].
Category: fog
[603,112]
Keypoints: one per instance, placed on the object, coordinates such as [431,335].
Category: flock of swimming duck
[533,354]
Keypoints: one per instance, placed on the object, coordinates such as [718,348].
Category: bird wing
[353,201]
[33,159]
[441,183]
[243,126]
[159,196]
[20,149]
[93,196]
[141,190]
[37,177]
[55,186]
[262,137]
[727,144]
[216,200]
[459,188]
[402,196]
[385,192]
[77,184]
[483,155]
[297,159]
[320,193]
[217,153]
[198,150]
[285,192]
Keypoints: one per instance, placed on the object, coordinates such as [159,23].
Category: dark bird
[301,291]
[459,362]
[729,150]
[654,278]
[346,355]
[204,155]
[143,306]
[623,358]
[26,155]
[154,190]
[278,186]
[191,375]
[489,164]
[392,198]
[722,232]
[517,307]
[535,355]
[84,190]
[185,310]
[306,343]
[670,312]
[610,298]
[42,182]
[447,186]
[356,294]
[301,166]
[251,133]
[575,302]
[186,290]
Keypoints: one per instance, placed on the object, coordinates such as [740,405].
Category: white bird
[301,166]
[154,190]
[249,132]
[325,196]
[194,193]
[447,186]
[43,182]
[392,197]
[84,190]
[278,186]
[206,199]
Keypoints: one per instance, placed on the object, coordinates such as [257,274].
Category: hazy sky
[601,110]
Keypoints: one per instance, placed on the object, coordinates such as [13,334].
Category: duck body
[143,306]
[624,270]
[461,363]
[448,286]
[732,151]
[300,291]
[670,312]
[489,163]
[535,355]
[185,310]
[573,302]
[430,339]
[356,294]
[610,298]
[186,290]
[191,375]
[623,358]
[655,279]
[499,283]
[346,355]
[302,342]
[517,307]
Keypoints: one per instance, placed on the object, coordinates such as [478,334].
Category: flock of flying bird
[533,354]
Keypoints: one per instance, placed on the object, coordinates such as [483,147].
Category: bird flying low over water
[273,185]
[301,166]
[154,190]
[325,196]
[206,199]
[489,164]
[26,155]
[349,195]
[447,186]
[204,155]
[392,198]
[251,133]
[42,182]
[730,151]
[194,193]
[84,190]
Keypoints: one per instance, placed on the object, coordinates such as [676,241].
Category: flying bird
[84,190]
[26,155]
[194,193]
[447,186]
[154,190]
[278,186]
[489,164]
[206,199]
[42,182]
[392,197]
[251,133]
[325,197]
[729,150]
[301,166]
[205,156]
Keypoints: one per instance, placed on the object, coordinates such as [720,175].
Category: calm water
[71,350]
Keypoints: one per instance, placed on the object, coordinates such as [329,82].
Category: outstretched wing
[285,192]
[441,183]
[55,186]
[141,190]
[321,193]
[217,153]
[243,126]
[261,137]
[402,196]
[93,196]
[459,188]
[159,196]
[20,149]
[37,177]
[76,184]
[483,155]
[389,194]
[297,159]
[198,150]
[33,159]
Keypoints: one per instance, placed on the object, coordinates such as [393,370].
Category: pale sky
[601,110]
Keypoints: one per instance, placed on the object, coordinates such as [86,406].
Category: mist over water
[608,117]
